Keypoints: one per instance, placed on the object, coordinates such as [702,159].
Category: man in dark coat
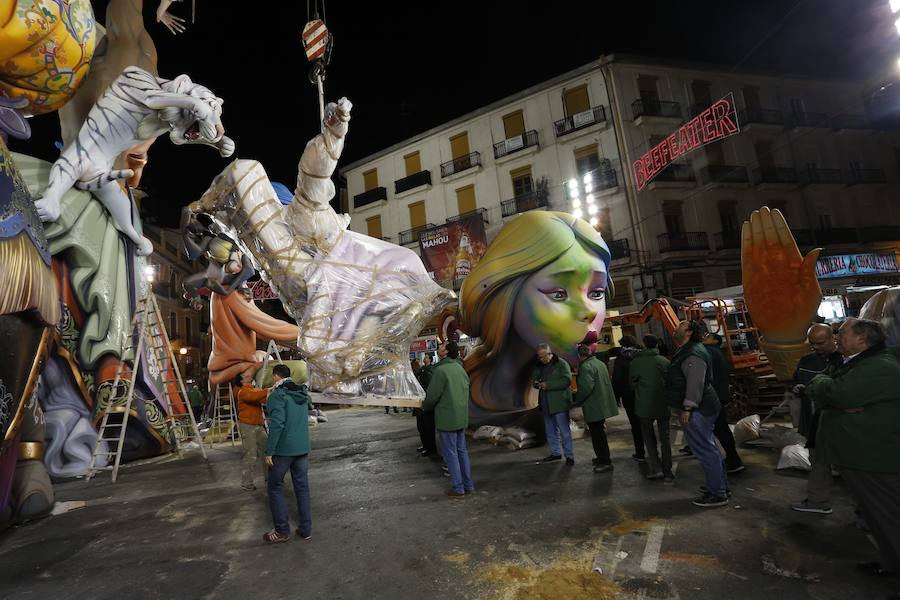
[622,388]
[425,420]
[720,373]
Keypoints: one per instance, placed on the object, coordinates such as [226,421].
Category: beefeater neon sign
[711,125]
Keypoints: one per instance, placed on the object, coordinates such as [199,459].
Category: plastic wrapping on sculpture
[45,50]
[773,269]
[358,301]
[136,107]
[543,279]
[235,325]
[884,307]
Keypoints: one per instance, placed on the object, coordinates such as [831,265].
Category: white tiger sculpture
[136,107]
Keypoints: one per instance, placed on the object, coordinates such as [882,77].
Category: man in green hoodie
[287,410]
[859,432]
[553,380]
[597,400]
[648,379]
[448,397]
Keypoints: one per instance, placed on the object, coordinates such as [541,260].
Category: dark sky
[408,66]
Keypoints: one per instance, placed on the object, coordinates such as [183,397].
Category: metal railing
[857,176]
[655,108]
[596,114]
[369,197]
[763,116]
[412,235]
[676,172]
[477,211]
[603,179]
[774,175]
[619,248]
[514,144]
[724,174]
[818,175]
[458,165]
[412,181]
[523,203]
[808,119]
[688,240]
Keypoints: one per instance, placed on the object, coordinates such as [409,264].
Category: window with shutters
[514,124]
[465,199]
[673,218]
[413,163]
[587,159]
[647,88]
[576,100]
[417,214]
[370,180]
[522,182]
[687,283]
[623,296]
[373,227]
[459,145]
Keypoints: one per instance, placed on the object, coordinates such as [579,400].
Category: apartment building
[805,146]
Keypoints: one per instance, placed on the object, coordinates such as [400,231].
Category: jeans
[635,422]
[599,441]
[556,426]
[702,441]
[298,466]
[456,457]
[665,446]
[254,440]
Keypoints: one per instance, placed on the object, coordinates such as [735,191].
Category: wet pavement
[382,528]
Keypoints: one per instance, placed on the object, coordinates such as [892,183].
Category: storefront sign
[848,265]
[418,346]
[452,250]
[711,125]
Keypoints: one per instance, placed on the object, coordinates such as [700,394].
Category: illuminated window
[522,182]
[576,100]
[413,163]
[370,180]
[417,214]
[514,124]
[465,199]
[373,227]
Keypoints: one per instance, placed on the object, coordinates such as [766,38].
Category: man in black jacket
[622,388]
[425,420]
[823,357]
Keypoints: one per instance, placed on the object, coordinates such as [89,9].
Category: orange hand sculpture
[780,288]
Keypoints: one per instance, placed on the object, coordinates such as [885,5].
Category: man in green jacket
[859,432]
[195,398]
[287,410]
[648,379]
[597,400]
[553,380]
[448,397]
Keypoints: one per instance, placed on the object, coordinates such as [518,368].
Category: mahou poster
[452,250]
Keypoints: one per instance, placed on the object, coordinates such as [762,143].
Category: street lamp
[182,351]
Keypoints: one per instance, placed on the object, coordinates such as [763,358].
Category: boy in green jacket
[287,410]
[648,379]
[553,380]
[597,400]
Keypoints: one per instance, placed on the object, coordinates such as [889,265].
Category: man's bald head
[821,338]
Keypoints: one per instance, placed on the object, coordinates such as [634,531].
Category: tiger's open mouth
[193,132]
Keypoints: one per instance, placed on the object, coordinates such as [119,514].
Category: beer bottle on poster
[463,258]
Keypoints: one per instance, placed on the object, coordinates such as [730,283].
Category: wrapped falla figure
[358,301]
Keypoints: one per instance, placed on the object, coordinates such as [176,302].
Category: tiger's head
[193,115]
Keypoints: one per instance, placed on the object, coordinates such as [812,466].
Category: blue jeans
[557,425]
[456,456]
[700,437]
[298,466]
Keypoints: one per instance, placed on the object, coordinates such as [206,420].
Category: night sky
[410,66]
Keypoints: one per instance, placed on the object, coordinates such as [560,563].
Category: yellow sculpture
[780,288]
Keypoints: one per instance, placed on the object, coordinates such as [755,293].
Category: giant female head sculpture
[543,279]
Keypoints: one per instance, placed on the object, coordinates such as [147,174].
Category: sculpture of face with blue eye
[562,301]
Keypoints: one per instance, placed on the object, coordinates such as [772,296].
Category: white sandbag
[313,420]
[795,456]
[576,430]
[515,444]
[746,429]
[577,415]
[488,432]
[519,433]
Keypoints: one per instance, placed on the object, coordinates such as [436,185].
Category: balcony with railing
[601,180]
[879,233]
[655,108]
[847,122]
[370,197]
[774,176]
[482,212]
[411,236]
[619,248]
[515,144]
[463,163]
[728,240]
[808,119]
[592,116]
[819,176]
[724,174]
[761,116]
[863,176]
[412,181]
[688,241]
[524,203]
[676,173]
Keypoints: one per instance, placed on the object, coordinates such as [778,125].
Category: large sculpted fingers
[225,146]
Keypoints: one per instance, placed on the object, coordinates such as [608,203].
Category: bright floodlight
[576,203]
[897,25]
[573,184]
[590,198]
[577,213]
[573,192]
[593,221]
[589,187]
[592,209]
[149,273]
[182,351]
[588,178]
[895,5]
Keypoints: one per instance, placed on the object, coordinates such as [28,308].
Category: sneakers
[710,501]
[686,450]
[705,491]
[653,476]
[806,506]
[638,458]
[668,479]
[570,462]
[248,487]
[733,470]
[305,537]
[273,537]
[549,459]
[455,495]
[445,470]
[600,468]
